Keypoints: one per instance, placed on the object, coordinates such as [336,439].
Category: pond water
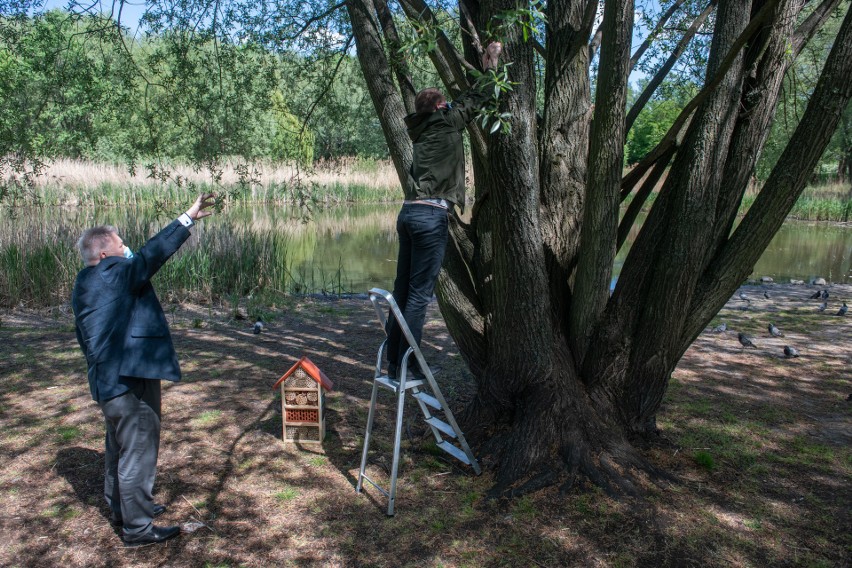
[354,248]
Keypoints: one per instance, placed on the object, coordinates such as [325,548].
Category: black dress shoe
[153,536]
[118,521]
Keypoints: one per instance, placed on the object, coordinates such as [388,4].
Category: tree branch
[606,156]
[595,43]
[670,139]
[403,75]
[329,84]
[640,51]
[663,71]
[447,60]
[812,24]
[316,18]
[376,70]
[641,196]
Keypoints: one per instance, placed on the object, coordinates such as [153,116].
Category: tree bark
[376,70]
[564,138]
[400,67]
[606,159]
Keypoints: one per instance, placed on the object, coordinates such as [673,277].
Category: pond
[339,249]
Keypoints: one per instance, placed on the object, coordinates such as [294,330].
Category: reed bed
[83,183]
[251,253]
[817,203]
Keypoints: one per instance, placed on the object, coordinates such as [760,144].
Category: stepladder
[423,388]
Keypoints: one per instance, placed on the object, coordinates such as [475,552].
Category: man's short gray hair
[93,241]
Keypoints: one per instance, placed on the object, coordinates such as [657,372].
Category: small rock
[766,279]
[819,282]
[192,526]
[795,282]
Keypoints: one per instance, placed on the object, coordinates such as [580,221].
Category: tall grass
[82,183]
[247,252]
[39,273]
[832,202]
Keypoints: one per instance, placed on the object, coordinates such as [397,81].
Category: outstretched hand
[199,208]
[492,55]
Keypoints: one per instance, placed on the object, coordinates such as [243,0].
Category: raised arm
[159,248]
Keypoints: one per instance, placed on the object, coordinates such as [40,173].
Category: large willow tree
[570,372]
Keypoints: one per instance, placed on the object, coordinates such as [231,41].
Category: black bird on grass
[258,325]
[843,309]
[774,331]
[745,340]
[790,352]
[825,294]
[822,307]
[816,295]
[766,294]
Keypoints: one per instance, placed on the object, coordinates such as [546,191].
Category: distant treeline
[75,87]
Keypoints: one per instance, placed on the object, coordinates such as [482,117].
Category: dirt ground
[759,446]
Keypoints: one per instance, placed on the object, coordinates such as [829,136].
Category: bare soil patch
[759,444]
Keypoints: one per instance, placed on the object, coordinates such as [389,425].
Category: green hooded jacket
[437,171]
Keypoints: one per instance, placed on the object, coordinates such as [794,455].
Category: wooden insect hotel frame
[303,390]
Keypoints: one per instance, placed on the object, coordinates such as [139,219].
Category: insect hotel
[303,402]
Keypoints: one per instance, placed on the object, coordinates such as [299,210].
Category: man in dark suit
[123,332]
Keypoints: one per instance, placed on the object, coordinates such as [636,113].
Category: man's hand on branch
[199,208]
[492,55]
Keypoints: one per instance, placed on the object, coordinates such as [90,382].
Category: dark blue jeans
[422,231]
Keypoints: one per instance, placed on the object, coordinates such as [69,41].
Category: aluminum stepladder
[443,431]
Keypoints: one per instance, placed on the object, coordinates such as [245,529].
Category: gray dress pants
[132,446]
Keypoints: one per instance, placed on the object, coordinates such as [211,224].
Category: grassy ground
[760,447]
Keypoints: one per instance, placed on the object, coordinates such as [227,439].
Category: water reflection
[346,248]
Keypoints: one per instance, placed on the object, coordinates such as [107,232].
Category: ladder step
[454,451]
[428,399]
[442,426]
[393,384]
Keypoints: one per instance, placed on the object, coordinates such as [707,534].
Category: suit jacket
[120,324]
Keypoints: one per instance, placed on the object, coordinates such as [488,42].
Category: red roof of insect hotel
[313,372]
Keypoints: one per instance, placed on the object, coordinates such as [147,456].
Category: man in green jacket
[435,184]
